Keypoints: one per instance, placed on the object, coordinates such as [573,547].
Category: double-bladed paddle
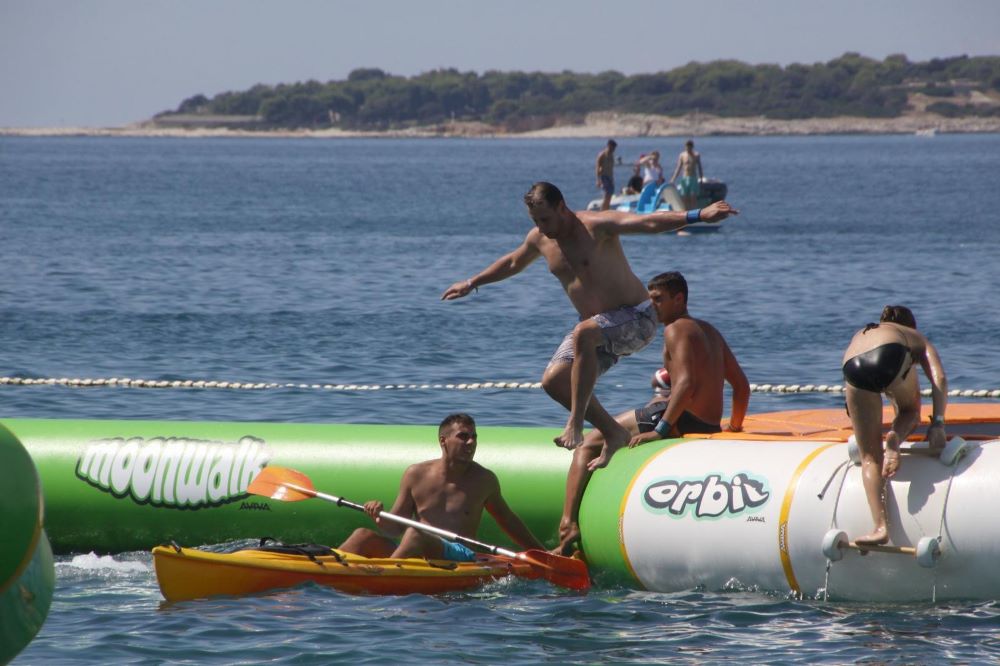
[288,485]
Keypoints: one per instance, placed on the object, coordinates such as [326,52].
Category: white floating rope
[127,382]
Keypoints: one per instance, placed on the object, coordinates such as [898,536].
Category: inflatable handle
[853,451]
[833,544]
[928,552]
[954,451]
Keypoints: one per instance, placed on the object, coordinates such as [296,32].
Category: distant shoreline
[595,125]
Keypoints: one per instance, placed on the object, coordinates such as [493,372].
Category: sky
[108,63]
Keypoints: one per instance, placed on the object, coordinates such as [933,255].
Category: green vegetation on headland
[370,99]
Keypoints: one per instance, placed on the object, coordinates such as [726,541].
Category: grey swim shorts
[626,330]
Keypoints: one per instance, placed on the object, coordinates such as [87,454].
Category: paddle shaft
[430,529]
[288,485]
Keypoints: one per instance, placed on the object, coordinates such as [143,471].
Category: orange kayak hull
[186,573]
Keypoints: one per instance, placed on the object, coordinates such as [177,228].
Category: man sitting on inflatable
[696,362]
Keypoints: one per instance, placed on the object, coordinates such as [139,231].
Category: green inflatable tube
[27,574]
[114,486]
[601,510]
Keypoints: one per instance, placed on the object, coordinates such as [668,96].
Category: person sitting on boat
[450,493]
[688,395]
[690,172]
[879,360]
[633,186]
[652,172]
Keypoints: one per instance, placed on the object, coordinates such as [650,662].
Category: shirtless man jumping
[583,250]
[880,359]
[696,362]
[450,493]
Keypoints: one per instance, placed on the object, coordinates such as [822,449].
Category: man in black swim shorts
[878,360]
[649,416]
[698,360]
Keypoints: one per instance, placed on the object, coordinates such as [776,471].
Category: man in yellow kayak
[450,493]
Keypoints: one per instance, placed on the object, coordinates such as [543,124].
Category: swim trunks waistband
[647,416]
[457,552]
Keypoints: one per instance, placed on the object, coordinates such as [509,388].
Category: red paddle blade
[558,570]
[282,484]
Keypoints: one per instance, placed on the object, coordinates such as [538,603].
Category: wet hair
[672,281]
[612,143]
[542,192]
[458,417]
[690,143]
[899,314]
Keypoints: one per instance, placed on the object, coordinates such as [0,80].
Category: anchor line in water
[127,382]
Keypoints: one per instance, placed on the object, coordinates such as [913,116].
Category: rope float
[125,382]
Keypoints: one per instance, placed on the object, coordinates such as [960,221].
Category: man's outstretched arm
[510,264]
[667,220]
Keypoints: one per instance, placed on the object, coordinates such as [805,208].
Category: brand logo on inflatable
[173,472]
[706,498]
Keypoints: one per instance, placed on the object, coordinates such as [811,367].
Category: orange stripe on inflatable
[786,509]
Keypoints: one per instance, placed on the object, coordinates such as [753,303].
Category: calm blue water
[309,261]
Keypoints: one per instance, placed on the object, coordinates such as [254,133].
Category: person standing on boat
[605,171]
[450,493]
[688,396]
[652,171]
[584,251]
[690,172]
[880,359]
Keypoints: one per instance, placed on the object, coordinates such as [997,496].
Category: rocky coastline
[594,125]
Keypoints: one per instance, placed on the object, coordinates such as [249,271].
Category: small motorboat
[655,197]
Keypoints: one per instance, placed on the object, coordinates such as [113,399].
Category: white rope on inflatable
[126,382]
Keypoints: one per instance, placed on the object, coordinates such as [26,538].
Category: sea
[312,264]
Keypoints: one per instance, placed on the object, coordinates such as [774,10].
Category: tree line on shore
[851,85]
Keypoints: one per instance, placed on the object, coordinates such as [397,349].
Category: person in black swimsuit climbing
[880,360]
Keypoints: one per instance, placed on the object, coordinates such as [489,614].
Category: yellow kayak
[188,573]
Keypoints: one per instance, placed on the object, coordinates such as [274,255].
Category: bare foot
[876,538]
[569,543]
[890,463]
[571,437]
[611,444]
[567,526]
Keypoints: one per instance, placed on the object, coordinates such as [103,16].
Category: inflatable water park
[772,508]
[27,573]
